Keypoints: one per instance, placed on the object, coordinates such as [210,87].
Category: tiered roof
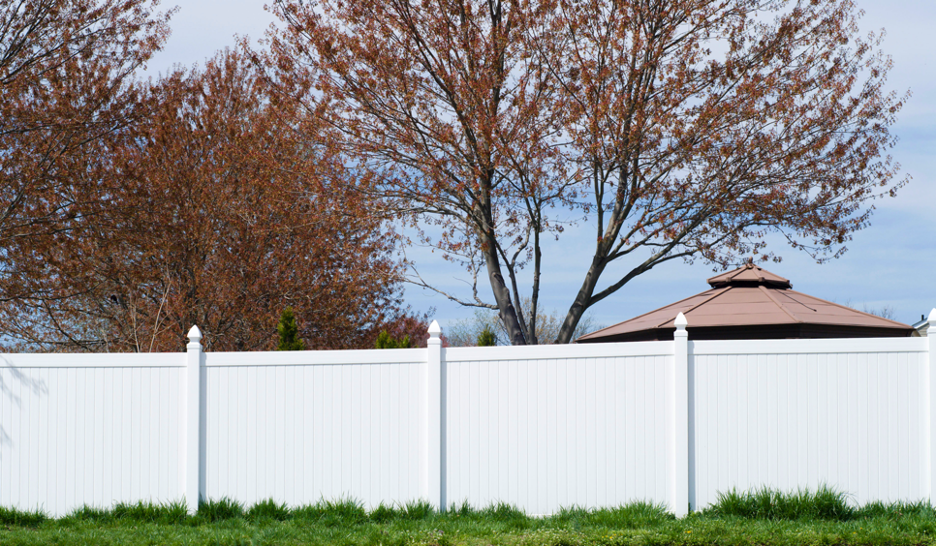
[752,303]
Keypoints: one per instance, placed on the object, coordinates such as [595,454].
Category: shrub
[289,332]
[386,341]
[487,338]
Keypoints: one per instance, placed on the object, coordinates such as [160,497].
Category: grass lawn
[760,518]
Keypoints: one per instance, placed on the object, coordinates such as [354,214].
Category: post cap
[435,330]
[932,316]
[194,335]
[681,322]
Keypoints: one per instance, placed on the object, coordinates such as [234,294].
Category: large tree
[676,129]
[66,81]
[211,211]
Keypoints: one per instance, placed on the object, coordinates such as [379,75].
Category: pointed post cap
[681,322]
[195,336]
[435,330]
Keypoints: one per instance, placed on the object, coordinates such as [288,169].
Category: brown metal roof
[750,274]
[752,303]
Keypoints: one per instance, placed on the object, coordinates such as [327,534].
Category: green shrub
[487,338]
[289,332]
[386,341]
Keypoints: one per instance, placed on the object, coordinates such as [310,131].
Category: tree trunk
[506,311]
[582,300]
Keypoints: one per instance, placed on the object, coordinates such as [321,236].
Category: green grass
[824,503]
[761,517]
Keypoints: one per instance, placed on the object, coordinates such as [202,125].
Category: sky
[891,264]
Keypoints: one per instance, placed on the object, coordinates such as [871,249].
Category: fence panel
[543,429]
[791,414]
[307,426]
[88,430]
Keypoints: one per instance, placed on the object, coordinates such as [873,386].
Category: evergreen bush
[487,338]
[289,332]
[386,341]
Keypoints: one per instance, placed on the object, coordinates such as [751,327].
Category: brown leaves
[211,211]
[680,128]
[64,86]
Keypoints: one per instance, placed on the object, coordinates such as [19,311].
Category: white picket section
[539,428]
[301,427]
[88,430]
[572,426]
[800,413]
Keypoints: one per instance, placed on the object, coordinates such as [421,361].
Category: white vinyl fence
[540,428]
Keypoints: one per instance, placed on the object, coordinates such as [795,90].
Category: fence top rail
[92,360]
[800,346]
[543,352]
[316,358]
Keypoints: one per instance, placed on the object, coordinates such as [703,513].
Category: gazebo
[751,303]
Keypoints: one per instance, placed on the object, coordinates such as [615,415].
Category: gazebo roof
[751,303]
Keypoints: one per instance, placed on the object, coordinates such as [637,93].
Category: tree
[677,129]
[66,82]
[289,339]
[405,324]
[211,211]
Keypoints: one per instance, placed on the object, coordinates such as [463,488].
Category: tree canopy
[210,210]
[675,129]
[66,83]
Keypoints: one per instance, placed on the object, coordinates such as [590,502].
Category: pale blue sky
[892,263]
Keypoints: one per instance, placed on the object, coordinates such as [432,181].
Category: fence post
[679,419]
[434,434]
[931,395]
[193,422]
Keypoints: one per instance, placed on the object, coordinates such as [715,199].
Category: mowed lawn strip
[754,518]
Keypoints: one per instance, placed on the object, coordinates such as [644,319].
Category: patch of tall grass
[629,516]
[219,510]
[771,504]
[332,513]
[142,512]
[825,503]
[268,510]
[22,518]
